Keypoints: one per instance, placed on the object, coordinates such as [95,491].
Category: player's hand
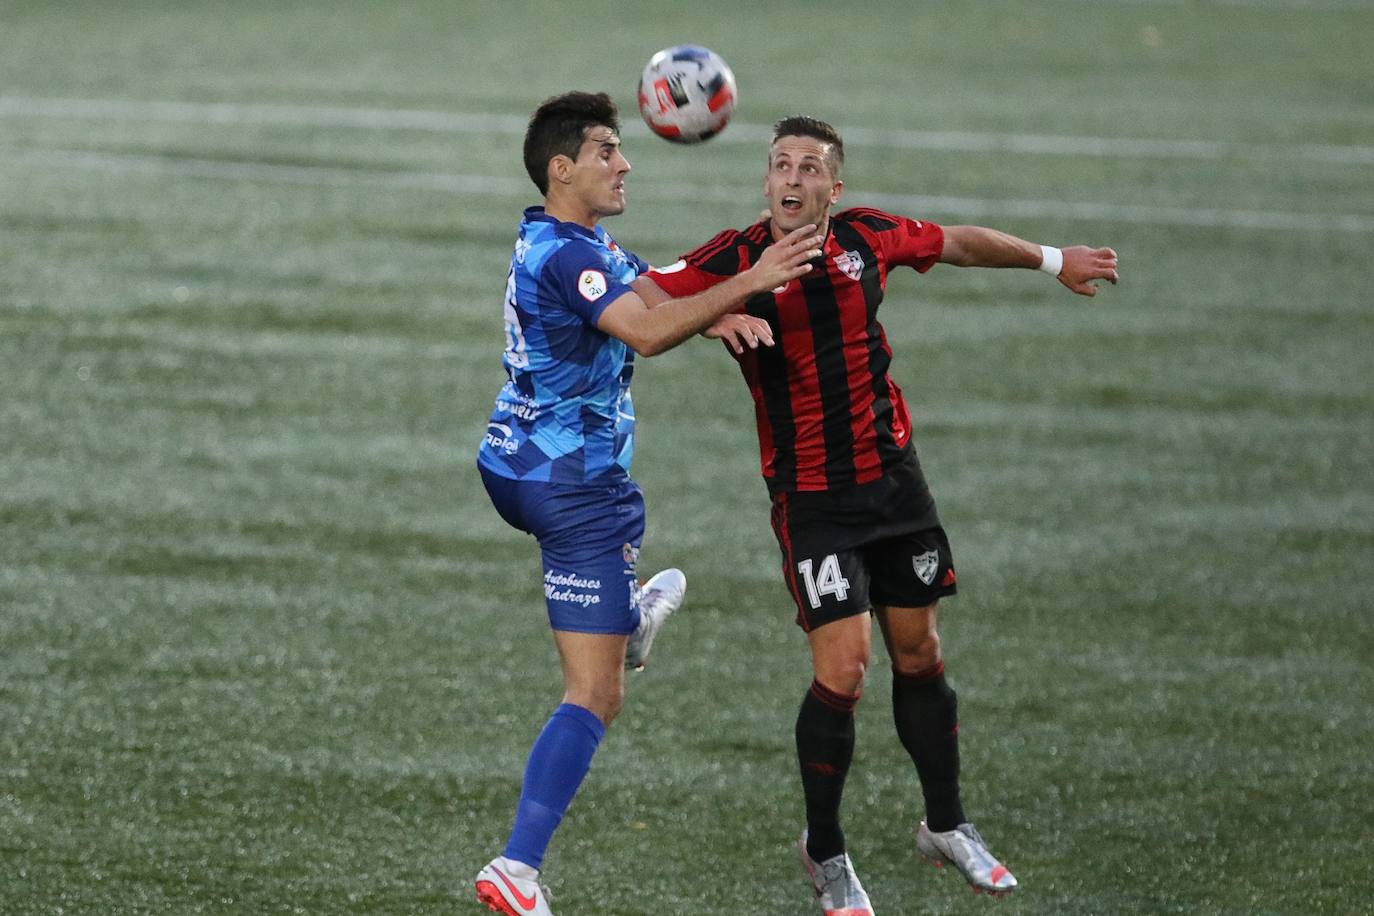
[786,258]
[1082,265]
[740,331]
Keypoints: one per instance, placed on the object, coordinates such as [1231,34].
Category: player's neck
[823,229]
[564,213]
[570,210]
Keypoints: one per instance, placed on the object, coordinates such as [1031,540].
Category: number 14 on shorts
[828,580]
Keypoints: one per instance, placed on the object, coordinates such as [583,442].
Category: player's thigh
[910,636]
[589,539]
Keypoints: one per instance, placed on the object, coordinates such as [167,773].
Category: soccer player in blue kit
[556,456]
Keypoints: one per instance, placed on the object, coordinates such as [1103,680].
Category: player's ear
[836,191]
[560,169]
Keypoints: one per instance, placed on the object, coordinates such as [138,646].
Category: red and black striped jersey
[828,415]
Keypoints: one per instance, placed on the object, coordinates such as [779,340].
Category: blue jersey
[564,414]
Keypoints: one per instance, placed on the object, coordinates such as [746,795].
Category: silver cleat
[836,884]
[964,849]
[658,599]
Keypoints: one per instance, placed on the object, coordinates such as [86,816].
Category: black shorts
[879,543]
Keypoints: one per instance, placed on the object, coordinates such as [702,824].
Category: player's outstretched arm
[737,329]
[650,331]
[1077,266]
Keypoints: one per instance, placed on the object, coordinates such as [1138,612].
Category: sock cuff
[584,717]
[837,701]
[921,678]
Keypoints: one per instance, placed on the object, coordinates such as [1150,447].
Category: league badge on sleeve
[592,285]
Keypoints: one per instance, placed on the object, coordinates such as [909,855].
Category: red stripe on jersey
[868,465]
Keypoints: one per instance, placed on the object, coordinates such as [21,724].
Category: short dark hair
[558,127]
[804,126]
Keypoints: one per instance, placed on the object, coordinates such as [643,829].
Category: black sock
[825,746]
[926,710]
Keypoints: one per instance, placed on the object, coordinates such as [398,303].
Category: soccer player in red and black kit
[851,510]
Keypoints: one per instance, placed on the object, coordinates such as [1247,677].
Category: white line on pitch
[959,207]
[477,123]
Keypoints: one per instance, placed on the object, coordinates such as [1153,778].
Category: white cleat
[836,884]
[659,597]
[964,849]
[512,888]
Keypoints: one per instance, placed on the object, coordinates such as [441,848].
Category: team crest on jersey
[592,285]
[926,565]
[851,264]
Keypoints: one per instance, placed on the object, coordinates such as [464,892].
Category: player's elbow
[651,347]
[648,340]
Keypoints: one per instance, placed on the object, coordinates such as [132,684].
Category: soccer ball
[687,94]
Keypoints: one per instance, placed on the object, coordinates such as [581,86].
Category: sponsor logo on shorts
[926,565]
[571,588]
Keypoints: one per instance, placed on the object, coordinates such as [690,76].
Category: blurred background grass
[264,647]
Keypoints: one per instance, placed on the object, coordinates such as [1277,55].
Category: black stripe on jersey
[717,256]
[758,234]
[777,396]
[878,359]
[873,219]
[832,376]
[851,239]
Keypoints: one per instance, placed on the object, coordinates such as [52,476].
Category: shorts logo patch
[592,285]
[926,565]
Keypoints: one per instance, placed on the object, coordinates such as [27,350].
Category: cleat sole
[489,896]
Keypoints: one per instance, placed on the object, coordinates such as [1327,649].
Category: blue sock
[559,761]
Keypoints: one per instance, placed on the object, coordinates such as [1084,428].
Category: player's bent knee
[845,676]
[603,700]
[917,656]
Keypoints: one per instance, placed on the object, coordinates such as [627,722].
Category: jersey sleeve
[578,277]
[916,243]
[701,268]
[909,242]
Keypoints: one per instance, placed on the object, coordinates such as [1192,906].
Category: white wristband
[1051,260]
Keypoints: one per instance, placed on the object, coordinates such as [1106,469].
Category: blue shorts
[589,537]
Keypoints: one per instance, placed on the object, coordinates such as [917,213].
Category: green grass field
[265,647]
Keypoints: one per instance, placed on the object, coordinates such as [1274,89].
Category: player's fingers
[798,236]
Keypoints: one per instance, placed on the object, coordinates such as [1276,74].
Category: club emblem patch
[592,285]
[926,565]
[851,264]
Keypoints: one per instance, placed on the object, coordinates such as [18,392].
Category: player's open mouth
[791,204]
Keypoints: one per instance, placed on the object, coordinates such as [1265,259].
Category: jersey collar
[537,215]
